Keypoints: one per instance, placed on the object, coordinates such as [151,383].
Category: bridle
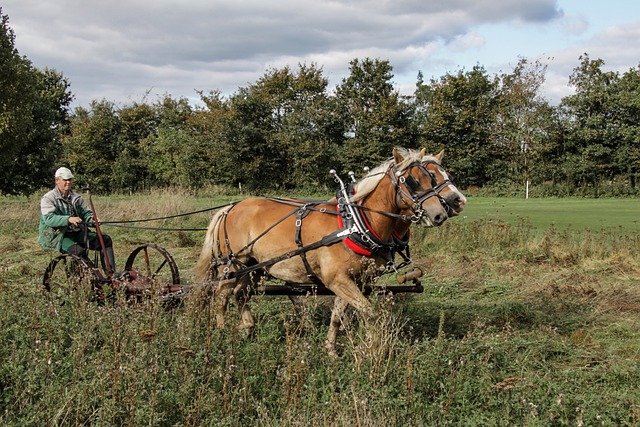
[408,189]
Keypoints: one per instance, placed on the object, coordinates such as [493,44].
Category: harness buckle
[391,266]
[417,216]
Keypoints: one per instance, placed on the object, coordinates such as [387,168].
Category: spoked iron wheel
[70,278]
[150,268]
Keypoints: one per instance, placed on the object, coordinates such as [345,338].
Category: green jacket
[55,210]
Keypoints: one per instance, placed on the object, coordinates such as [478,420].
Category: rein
[128,221]
[309,203]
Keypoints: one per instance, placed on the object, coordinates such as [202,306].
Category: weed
[517,326]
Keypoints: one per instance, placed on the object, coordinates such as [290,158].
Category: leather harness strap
[300,214]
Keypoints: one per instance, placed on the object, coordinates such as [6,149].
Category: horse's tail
[203,266]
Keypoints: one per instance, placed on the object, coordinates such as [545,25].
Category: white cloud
[467,41]
[120,50]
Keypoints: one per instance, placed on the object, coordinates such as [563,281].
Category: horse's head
[417,187]
[452,199]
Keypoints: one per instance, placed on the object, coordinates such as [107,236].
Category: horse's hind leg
[242,298]
[221,301]
[246,317]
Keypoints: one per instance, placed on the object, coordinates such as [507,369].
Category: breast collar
[361,238]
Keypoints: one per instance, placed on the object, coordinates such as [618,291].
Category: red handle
[99,233]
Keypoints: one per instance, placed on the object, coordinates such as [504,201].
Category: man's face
[64,185]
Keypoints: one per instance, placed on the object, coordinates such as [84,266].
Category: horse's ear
[439,156]
[397,157]
[423,152]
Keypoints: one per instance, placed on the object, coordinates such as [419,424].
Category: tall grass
[515,327]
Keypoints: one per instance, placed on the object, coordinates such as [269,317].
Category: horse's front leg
[337,315]
[347,293]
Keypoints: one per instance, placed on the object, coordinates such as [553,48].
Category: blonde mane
[369,182]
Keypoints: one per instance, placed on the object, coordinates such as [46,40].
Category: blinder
[411,182]
[413,187]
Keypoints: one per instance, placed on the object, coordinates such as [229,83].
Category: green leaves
[602,121]
[376,117]
[458,113]
[288,129]
[33,112]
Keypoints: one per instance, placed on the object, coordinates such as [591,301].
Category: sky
[128,51]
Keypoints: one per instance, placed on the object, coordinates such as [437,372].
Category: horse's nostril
[458,202]
[439,219]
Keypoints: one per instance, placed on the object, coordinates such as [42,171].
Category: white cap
[64,173]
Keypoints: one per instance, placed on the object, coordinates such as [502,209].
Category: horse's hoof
[331,351]
[246,331]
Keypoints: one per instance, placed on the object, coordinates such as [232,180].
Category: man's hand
[74,220]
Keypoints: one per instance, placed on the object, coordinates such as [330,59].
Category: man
[63,215]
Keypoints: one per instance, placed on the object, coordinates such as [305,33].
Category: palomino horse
[454,202]
[265,233]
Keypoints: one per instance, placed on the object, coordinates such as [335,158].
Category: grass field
[576,214]
[530,316]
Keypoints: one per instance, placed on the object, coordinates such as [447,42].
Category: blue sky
[133,50]
[609,30]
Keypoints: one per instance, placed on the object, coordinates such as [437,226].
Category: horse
[261,237]
[454,202]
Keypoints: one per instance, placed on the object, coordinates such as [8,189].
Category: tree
[281,130]
[91,148]
[526,128]
[601,122]
[211,130]
[458,113]
[377,118]
[17,85]
[166,150]
[138,122]
[33,114]
[625,104]
[303,124]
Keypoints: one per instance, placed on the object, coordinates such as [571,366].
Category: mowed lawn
[560,213]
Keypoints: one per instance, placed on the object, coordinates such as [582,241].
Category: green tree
[33,114]
[625,103]
[281,130]
[17,85]
[92,146]
[211,130]
[138,122]
[376,117]
[601,122]
[257,156]
[304,125]
[526,129]
[166,152]
[458,113]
